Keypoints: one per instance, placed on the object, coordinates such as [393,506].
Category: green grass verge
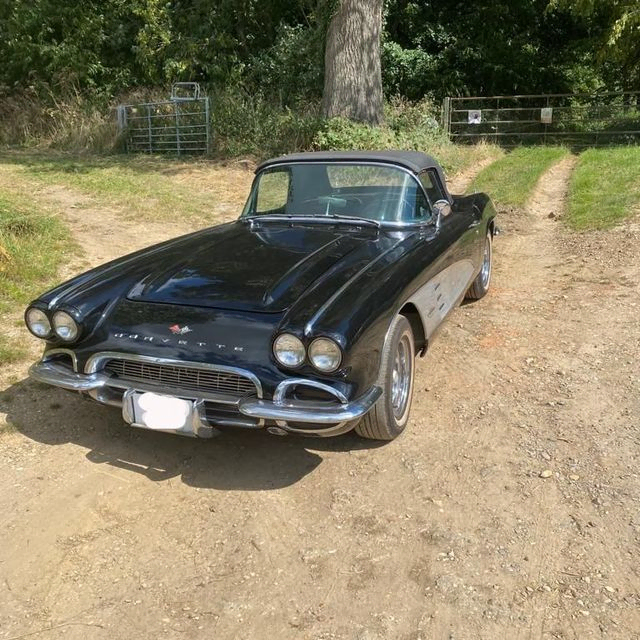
[33,243]
[512,179]
[604,188]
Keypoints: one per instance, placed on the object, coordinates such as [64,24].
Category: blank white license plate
[161,413]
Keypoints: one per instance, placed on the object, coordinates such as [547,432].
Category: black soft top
[413,160]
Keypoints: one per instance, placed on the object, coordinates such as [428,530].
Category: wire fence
[578,120]
[180,125]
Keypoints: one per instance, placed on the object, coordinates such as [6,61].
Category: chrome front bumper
[290,415]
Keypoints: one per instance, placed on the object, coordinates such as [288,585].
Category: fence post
[175,108]
[208,123]
[149,128]
[446,115]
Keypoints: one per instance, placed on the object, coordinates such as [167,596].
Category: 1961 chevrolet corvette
[303,316]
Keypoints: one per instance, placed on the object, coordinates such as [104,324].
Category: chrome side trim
[435,299]
[94,362]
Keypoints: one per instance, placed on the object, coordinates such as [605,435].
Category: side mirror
[441,208]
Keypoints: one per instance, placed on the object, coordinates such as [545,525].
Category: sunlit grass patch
[455,158]
[143,187]
[604,188]
[33,243]
[511,180]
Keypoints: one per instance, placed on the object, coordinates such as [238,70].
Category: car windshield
[375,192]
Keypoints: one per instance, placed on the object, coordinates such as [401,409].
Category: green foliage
[511,180]
[498,48]
[292,69]
[407,72]
[343,134]
[32,246]
[407,126]
[617,39]
[604,188]
[245,124]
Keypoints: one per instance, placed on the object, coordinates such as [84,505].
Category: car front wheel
[389,416]
[480,285]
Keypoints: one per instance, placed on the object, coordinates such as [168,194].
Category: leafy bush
[406,72]
[407,126]
[250,124]
[292,70]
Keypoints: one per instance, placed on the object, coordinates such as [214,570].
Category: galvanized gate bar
[180,125]
[580,119]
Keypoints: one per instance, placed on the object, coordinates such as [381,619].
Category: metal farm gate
[180,125]
[579,120]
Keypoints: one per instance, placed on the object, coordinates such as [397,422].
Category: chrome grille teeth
[181,377]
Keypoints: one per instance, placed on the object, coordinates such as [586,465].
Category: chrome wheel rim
[486,263]
[401,377]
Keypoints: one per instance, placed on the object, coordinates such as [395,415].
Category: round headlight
[65,326]
[325,354]
[289,350]
[38,323]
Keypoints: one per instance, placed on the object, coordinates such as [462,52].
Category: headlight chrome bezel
[44,319]
[326,343]
[295,345]
[63,319]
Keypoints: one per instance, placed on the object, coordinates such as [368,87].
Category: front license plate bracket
[159,412]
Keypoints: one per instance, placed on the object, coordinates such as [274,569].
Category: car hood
[261,268]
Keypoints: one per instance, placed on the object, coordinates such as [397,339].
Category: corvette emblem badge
[177,330]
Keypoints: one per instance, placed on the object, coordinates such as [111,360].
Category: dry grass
[141,187]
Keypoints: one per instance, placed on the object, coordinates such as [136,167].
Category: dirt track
[452,532]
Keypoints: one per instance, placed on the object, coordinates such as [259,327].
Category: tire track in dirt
[462,180]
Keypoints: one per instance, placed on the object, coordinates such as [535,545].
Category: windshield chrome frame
[369,163]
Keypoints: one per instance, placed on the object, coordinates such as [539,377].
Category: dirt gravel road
[509,509]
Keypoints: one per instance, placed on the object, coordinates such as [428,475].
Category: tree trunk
[352,76]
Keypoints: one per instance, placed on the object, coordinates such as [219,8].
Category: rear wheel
[480,285]
[389,416]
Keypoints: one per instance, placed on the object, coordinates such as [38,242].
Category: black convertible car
[303,316]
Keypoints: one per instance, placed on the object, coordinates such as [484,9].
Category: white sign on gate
[475,116]
[546,115]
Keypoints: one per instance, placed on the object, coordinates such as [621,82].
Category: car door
[451,273]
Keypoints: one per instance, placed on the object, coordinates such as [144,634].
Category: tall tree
[352,75]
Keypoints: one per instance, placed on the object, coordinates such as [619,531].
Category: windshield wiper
[353,219]
[331,217]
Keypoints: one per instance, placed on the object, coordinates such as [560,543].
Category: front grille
[181,377]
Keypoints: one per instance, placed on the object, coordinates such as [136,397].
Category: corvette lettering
[173,341]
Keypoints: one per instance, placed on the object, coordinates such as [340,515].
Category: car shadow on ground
[234,460]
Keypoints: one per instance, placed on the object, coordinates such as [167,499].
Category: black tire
[389,416]
[480,285]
